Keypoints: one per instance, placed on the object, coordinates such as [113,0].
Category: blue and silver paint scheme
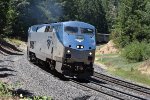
[72,43]
[73,40]
[75,49]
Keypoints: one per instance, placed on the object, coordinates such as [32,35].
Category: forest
[18,15]
[128,21]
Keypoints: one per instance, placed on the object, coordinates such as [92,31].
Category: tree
[21,14]
[91,12]
[3,19]
[111,9]
[70,9]
[18,15]
[15,24]
[131,24]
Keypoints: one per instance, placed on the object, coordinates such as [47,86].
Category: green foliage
[132,23]
[3,19]
[118,66]
[137,51]
[18,15]
[129,19]
[133,75]
[116,61]
[88,11]
[4,90]
[111,9]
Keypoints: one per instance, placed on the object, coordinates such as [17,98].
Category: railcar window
[71,30]
[87,31]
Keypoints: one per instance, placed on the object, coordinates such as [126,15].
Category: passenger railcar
[68,47]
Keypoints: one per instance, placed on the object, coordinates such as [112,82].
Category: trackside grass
[5,90]
[7,93]
[119,66]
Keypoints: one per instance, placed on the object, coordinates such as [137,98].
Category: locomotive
[66,47]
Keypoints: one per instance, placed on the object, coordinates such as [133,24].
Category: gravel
[31,80]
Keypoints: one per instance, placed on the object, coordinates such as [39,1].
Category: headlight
[68,51]
[82,47]
[78,47]
[90,53]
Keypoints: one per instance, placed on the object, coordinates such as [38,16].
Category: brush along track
[134,87]
[109,91]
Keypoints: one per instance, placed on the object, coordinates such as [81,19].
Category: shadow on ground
[25,93]
[8,52]
[5,75]
[82,98]
[8,45]
[54,72]
[8,48]
[3,68]
[63,78]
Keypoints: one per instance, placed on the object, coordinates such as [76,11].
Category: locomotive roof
[78,23]
[68,23]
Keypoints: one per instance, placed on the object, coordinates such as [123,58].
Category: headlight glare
[68,51]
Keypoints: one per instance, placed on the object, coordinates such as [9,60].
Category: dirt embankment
[109,48]
[144,68]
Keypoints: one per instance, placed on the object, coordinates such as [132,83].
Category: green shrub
[4,90]
[136,51]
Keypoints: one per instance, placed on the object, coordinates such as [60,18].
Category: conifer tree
[131,24]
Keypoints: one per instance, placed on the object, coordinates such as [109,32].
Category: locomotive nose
[74,55]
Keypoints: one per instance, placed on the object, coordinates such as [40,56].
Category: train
[66,47]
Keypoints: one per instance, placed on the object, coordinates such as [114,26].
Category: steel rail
[119,95]
[122,83]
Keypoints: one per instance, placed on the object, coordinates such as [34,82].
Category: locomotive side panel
[41,44]
[58,52]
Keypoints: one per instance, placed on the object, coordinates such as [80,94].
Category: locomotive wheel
[51,65]
[32,57]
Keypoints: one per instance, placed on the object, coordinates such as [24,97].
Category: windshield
[86,31]
[71,30]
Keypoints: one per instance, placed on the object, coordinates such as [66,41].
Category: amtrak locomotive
[67,47]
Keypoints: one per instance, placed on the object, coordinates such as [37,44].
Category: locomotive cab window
[49,29]
[41,29]
[86,31]
[71,30]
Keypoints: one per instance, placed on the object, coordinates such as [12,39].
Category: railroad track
[122,83]
[109,91]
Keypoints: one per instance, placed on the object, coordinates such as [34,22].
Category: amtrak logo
[48,43]
[79,40]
